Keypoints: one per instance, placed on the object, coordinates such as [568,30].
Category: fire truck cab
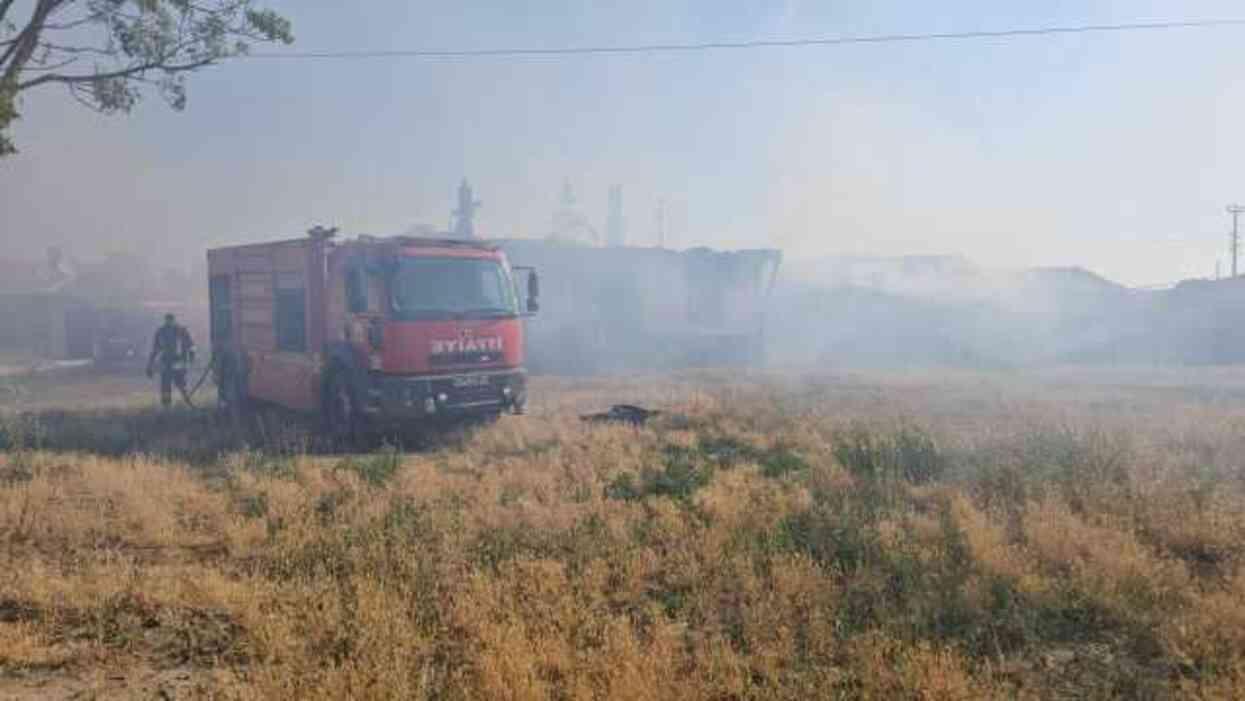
[370,331]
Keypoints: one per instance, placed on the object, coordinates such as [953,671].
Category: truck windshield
[452,288]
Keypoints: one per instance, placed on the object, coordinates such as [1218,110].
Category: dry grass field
[1069,534]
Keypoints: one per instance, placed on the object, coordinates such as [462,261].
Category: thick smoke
[942,311]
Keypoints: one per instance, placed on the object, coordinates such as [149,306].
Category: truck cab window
[451,288]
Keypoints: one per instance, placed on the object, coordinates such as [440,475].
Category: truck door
[365,309]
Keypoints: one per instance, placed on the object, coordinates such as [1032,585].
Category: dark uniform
[175,350]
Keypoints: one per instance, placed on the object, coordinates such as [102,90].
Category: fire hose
[188,396]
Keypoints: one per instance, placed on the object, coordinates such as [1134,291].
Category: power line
[536,52]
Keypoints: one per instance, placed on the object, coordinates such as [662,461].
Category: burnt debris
[622,413]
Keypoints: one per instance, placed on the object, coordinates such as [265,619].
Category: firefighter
[175,350]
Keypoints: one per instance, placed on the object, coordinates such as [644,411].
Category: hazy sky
[1117,152]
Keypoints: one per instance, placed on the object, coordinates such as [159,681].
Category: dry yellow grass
[912,536]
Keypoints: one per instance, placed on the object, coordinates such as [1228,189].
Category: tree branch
[16,55]
[4,8]
[61,6]
[23,47]
[72,24]
[75,49]
[128,72]
[42,67]
[136,46]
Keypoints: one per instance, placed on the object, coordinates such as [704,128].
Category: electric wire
[640,49]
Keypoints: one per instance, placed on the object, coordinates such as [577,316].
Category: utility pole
[1235,210]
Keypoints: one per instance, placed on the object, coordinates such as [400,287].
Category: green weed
[905,453]
[376,468]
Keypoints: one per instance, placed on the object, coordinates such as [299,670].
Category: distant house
[57,309]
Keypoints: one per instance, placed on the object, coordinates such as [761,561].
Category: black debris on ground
[622,413]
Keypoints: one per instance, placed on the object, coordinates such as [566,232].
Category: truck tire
[342,418]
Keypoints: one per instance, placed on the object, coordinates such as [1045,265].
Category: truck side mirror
[533,292]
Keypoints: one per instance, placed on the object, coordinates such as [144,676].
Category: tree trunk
[18,54]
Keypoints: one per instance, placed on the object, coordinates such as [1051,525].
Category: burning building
[620,308]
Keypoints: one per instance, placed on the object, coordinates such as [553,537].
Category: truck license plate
[470,381]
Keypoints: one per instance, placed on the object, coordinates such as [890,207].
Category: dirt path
[141,681]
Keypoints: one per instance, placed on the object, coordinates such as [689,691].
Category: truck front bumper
[418,397]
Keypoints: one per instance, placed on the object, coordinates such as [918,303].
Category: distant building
[38,317]
[569,223]
[57,308]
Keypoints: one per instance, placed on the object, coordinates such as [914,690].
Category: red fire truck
[370,332]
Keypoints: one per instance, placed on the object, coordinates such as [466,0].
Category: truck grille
[478,394]
[469,358]
[474,395]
